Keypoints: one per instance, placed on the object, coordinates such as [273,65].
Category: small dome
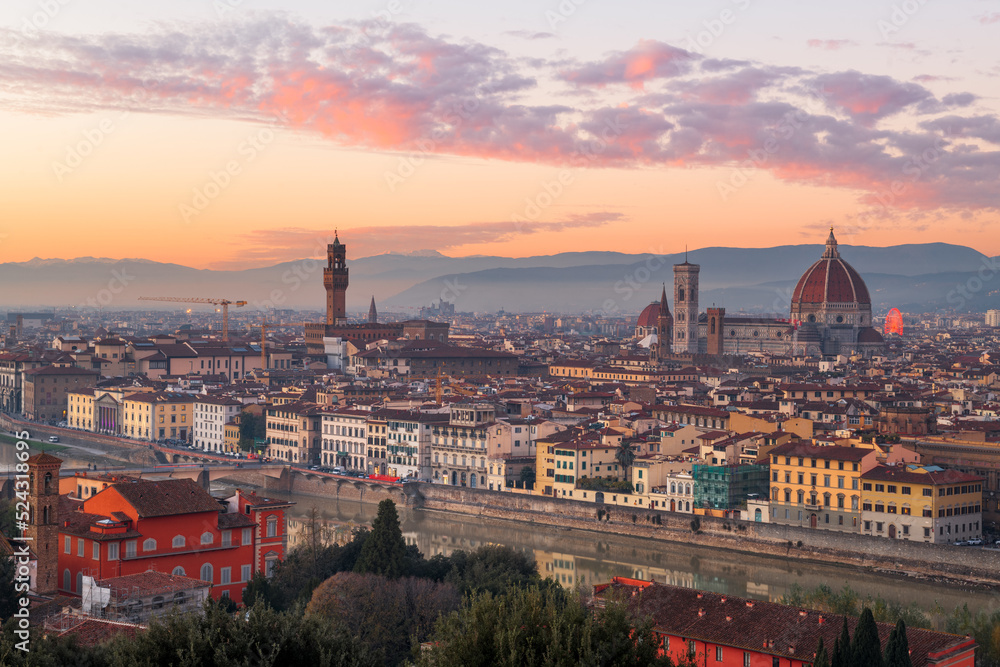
[649,315]
[869,335]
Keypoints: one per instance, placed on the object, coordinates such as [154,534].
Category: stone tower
[686,307]
[43,524]
[335,281]
[372,313]
[664,328]
[716,321]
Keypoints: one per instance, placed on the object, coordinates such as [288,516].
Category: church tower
[372,313]
[43,522]
[716,322]
[335,281]
[664,328]
[686,307]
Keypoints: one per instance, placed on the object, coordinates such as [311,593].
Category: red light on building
[894,322]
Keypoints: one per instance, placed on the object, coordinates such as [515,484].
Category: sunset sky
[240,133]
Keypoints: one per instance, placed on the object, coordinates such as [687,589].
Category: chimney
[701,612]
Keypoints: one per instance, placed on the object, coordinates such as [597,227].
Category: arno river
[581,557]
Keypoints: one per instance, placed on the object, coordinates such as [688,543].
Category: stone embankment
[969,565]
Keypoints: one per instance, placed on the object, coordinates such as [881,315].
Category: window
[79,547]
[130,549]
[178,542]
[113,551]
[244,573]
[866,486]
[178,571]
[718,654]
[207,537]
[272,526]
[227,575]
[691,648]
[227,538]
[247,536]
[68,547]
[206,572]
[97,551]
[746,659]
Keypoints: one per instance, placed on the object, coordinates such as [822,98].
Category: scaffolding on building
[130,599]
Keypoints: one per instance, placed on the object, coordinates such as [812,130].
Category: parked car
[974,542]
[53,438]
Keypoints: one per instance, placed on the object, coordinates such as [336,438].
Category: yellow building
[818,487]
[590,456]
[921,504]
[231,435]
[158,416]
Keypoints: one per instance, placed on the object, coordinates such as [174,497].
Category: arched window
[687,489]
[178,541]
[178,572]
[79,582]
[207,537]
[272,526]
[158,602]
[149,545]
[179,597]
[206,572]
[673,487]
[48,480]
[66,579]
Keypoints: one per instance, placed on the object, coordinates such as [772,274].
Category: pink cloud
[399,88]
[830,44]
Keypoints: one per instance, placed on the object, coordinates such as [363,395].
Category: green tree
[384,552]
[865,646]
[492,568]
[257,636]
[388,616]
[528,477]
[841,656]
[625,455]
[540,626]
[822,660]
[897,648]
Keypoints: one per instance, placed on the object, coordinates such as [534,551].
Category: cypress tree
[897,648]
[384,552]
[821,657]
[866,649]
[841,656]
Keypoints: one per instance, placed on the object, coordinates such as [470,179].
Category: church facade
[830,314]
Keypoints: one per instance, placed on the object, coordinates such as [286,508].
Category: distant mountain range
[921,277]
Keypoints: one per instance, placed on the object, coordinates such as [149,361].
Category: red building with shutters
[717,630]
[172,526]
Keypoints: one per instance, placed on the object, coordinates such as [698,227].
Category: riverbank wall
[915,559]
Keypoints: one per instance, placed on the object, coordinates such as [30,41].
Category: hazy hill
[757,279]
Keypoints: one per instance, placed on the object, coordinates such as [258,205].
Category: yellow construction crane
[264,326]
[225,303]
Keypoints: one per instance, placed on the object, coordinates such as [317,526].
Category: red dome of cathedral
[649,315]
[831,280]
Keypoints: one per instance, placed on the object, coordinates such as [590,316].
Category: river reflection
[577,557]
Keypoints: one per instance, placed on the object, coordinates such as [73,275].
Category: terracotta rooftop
[167,497]
[766,627]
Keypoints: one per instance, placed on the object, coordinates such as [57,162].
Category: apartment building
[345,439]
[818,487]
[158,415]
[294,432]
[921,504]
[211,413]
